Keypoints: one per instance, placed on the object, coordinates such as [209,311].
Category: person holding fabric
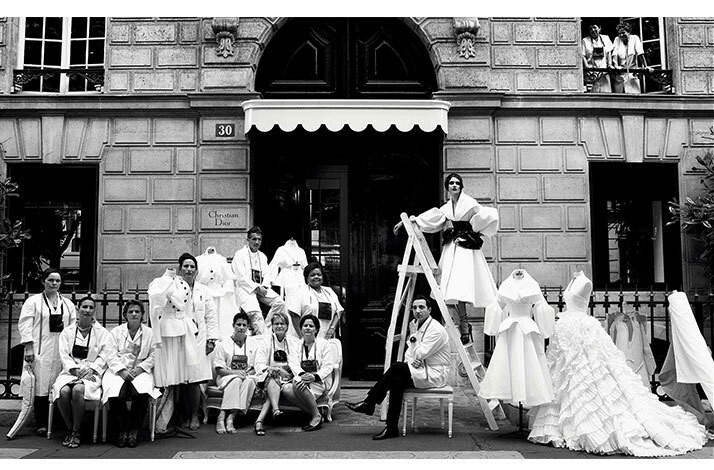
[82,352]
[185,330]
[601,406]
[235,370]
[216,274]
[627,53]
[42,319]
[271,364]
[129,377]
[250,267]
[426,365]
[521,319]
[311,363]
[596,51]
[315,299]
[464,275]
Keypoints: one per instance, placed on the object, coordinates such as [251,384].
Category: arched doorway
[340,193]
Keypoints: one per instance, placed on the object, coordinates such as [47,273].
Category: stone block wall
[694,40]
[534,171]
[6,28]
[178,55]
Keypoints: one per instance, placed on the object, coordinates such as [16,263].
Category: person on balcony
[426,365]
[185,330]
[82,353]
[42,319]
[314,298]
[129,377]
[464,275]
[251,268]
[627,53]
[596,52]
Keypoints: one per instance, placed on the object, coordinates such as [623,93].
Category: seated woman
[271,363]
[82,351]
[312,364]
[234,362]
[316,299]
[129,376]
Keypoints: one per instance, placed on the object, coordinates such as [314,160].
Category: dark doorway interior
[58,204]
[339,195]
[632,244]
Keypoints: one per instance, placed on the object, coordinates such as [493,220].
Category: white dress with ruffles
[518,372]
[601,406]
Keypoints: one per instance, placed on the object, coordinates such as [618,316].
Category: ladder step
[493,404]
[412,269]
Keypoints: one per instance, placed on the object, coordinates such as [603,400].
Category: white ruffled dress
[601,406]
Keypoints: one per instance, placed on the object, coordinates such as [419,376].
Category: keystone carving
[466,30]
[226,30]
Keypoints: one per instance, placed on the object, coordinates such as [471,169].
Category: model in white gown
[601,405]
[521,319]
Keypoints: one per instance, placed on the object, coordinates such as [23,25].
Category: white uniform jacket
[226,348]
[96,359]
[432,348]
[268,345]
[320,351]
[34,327]
[243,266]
[121,354]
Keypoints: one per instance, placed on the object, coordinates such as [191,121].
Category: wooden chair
[153,402]
[442,393]
[96,405]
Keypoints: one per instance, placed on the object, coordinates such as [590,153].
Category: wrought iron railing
[93,75]
[661,78]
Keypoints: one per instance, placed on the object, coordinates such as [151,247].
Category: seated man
[235,370]
[427,362]
[252,285]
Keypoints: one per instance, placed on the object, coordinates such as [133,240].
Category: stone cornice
[462,103]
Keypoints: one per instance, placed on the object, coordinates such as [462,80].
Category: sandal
[74,443]
[67,439]
[42,432]
[277,414]
[258,426]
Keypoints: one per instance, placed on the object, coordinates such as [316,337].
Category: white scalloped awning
[336,114]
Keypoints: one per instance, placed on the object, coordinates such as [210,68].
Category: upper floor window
[60,55]
[651,33]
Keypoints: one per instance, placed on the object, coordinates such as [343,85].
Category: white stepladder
[423,263]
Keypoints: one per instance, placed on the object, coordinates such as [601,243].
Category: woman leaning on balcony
[627,53]
[42,319]
[596,51]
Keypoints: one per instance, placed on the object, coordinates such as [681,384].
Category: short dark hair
[254,229]
[312,266]
[85,298]
[422,297]
[46,273]
[314,319]
[623,26]
[131,303]
[240,316]
[186,256]
[453,175]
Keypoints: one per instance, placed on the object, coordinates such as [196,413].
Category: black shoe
[386,433]
[132,442]
[121,442]
[361,407]
[313,427]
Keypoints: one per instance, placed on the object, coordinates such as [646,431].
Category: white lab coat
[96,360]
[34,327]
[242,265]
[432,348]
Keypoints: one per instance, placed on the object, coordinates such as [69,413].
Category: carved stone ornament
[226,30]
[466,30]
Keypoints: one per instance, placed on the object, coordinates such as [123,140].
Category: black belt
[463,235]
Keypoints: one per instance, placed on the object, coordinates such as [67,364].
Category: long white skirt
[112,384]
[92,390]
[464,276]
[601,405]
[170,362]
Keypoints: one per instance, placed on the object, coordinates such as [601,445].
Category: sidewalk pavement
[347,437]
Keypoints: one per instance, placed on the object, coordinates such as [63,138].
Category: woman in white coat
[464,275]
[82,349]
[312,365]
[316,299]
[42,319]
[185,330]
[129,377]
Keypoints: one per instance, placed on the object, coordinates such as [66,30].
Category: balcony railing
[651,81]
[94,76]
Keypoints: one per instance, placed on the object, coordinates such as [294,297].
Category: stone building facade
[521,130]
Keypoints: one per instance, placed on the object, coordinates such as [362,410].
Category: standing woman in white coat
[464,275]
[42,319]
[82,348]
